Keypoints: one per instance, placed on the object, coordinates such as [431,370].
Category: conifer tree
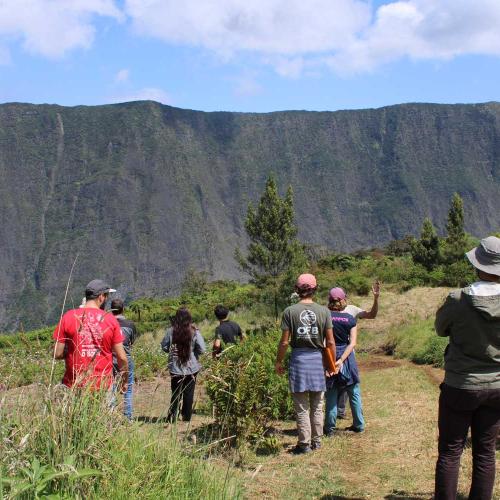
[274,253]
[456,239]
[425,251]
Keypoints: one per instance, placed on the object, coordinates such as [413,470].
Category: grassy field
[393,459]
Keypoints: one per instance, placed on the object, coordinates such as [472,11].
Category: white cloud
[286,27]
[53,27]
[122,76]
[344,35]
[423,29]
[292,36]
[289,67]
[145,94]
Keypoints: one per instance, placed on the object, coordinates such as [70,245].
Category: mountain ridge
[142,191]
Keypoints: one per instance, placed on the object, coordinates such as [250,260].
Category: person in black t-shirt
[227,331]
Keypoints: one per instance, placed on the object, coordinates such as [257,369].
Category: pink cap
[306,281]
[337,294]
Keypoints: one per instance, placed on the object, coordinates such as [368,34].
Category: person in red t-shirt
[86,339]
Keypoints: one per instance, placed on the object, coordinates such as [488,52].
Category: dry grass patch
[393,459]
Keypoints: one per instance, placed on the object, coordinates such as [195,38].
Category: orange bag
[328,360]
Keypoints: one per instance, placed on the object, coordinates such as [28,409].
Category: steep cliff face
[139,192]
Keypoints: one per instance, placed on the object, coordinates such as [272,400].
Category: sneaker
[341,416]
[315,445]
[351,428]
[300,450]
[330,433]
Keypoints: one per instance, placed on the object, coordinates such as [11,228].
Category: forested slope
[141,192]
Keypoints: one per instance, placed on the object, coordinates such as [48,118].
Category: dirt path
[393,459]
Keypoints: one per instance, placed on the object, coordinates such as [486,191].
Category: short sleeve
[285,321]
[59,334]
[356,311]
[329,323]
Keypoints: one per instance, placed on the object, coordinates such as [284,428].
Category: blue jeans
[354,394]
[127,397]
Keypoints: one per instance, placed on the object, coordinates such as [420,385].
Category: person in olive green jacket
[470,394]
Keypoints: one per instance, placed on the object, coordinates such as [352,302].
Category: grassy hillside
[150,459]
[139,193]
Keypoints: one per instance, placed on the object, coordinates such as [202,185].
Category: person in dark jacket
[129,333]
[184,344]
[470,394]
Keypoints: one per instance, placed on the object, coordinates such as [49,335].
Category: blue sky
[250,55]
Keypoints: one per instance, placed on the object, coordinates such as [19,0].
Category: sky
[250,55]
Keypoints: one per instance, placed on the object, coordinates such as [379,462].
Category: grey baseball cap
[486,256]
[96,287]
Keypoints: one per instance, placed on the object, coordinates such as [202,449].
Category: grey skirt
[306,372]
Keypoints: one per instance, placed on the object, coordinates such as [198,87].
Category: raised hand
[376,288]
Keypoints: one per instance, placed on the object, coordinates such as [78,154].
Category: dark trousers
[459,410]
[182,390]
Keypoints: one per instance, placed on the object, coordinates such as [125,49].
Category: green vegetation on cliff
[140,193]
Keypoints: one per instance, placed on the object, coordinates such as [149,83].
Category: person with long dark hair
[184,344]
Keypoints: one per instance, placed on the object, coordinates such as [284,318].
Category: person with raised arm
[347,379]
[358,313]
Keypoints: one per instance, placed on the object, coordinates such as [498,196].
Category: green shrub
[418,342]
[39,338]
[245,392]
[149,360]
[201,302]
[339,261]
[458,274]
[358,285]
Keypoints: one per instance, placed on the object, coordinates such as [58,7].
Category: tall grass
[70,444]
[418,342]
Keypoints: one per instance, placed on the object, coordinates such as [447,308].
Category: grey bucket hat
[486,256]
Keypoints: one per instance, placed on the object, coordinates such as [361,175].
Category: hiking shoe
[341,416]
[315,445]
[300,450]
[330,433]
[351,428]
